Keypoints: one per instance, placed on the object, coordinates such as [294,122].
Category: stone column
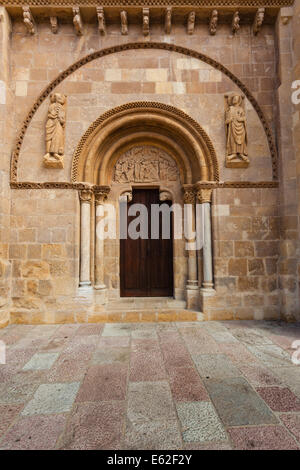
[100,198]
[85,237]
[190,235]
[204,198]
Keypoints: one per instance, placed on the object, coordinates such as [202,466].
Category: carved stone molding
[149,3]
[55,131]
[236,131]
[85,195]
[204,184]
[145,164]
[203,195]
[141,45]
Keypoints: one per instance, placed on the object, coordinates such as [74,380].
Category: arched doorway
[154,152]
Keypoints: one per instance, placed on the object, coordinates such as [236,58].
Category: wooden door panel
[146,266]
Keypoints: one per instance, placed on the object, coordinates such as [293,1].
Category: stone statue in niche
[55,131]
[145,164]
[236,131]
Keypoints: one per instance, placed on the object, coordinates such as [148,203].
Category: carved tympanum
[55,131]
[145,164]
[236,131]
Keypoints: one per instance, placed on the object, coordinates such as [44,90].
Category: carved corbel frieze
[77,21]
[236,131]
[146,21]
[213,23]
[124,23]
[168,20]
[258,20]
[191,22]
[28,20]
[54,24]
[86,196]
[203,195]
[101,20]
[235,26]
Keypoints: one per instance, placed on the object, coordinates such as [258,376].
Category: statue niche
[55,132]
[236,132]
[145,164]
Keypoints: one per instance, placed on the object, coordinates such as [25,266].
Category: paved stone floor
[210,385]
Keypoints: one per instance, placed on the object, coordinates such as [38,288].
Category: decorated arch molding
[142,45]
[158,122]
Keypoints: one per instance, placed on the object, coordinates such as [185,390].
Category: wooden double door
[146,265]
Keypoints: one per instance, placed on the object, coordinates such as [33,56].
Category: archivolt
[141,45]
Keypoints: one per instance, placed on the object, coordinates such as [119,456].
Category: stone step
[142,303]
[136,316]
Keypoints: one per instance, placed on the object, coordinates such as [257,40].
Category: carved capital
[126,196]
[86,195]
[189,196]
[101,196]
[203,195]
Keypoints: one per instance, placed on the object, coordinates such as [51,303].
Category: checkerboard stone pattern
[174,386]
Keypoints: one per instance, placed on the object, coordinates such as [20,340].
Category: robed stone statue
[55,131]
[236,132]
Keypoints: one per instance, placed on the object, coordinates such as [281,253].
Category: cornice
[150,3]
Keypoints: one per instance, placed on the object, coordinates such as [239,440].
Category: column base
[100,286]
[85,283]
[207,285]
[191,285]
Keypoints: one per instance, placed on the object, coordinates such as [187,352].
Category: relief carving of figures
[55,131]
[145,164]
[236,132]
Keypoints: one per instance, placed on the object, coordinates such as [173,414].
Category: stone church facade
[195,101]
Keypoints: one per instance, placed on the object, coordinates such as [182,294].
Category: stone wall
[45,224]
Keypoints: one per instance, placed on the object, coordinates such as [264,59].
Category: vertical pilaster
[85,197]
[100,198]
[204,198]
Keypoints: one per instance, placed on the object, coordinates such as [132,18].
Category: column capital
[101,196]
[85,195]
[203,195]
[188,194]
